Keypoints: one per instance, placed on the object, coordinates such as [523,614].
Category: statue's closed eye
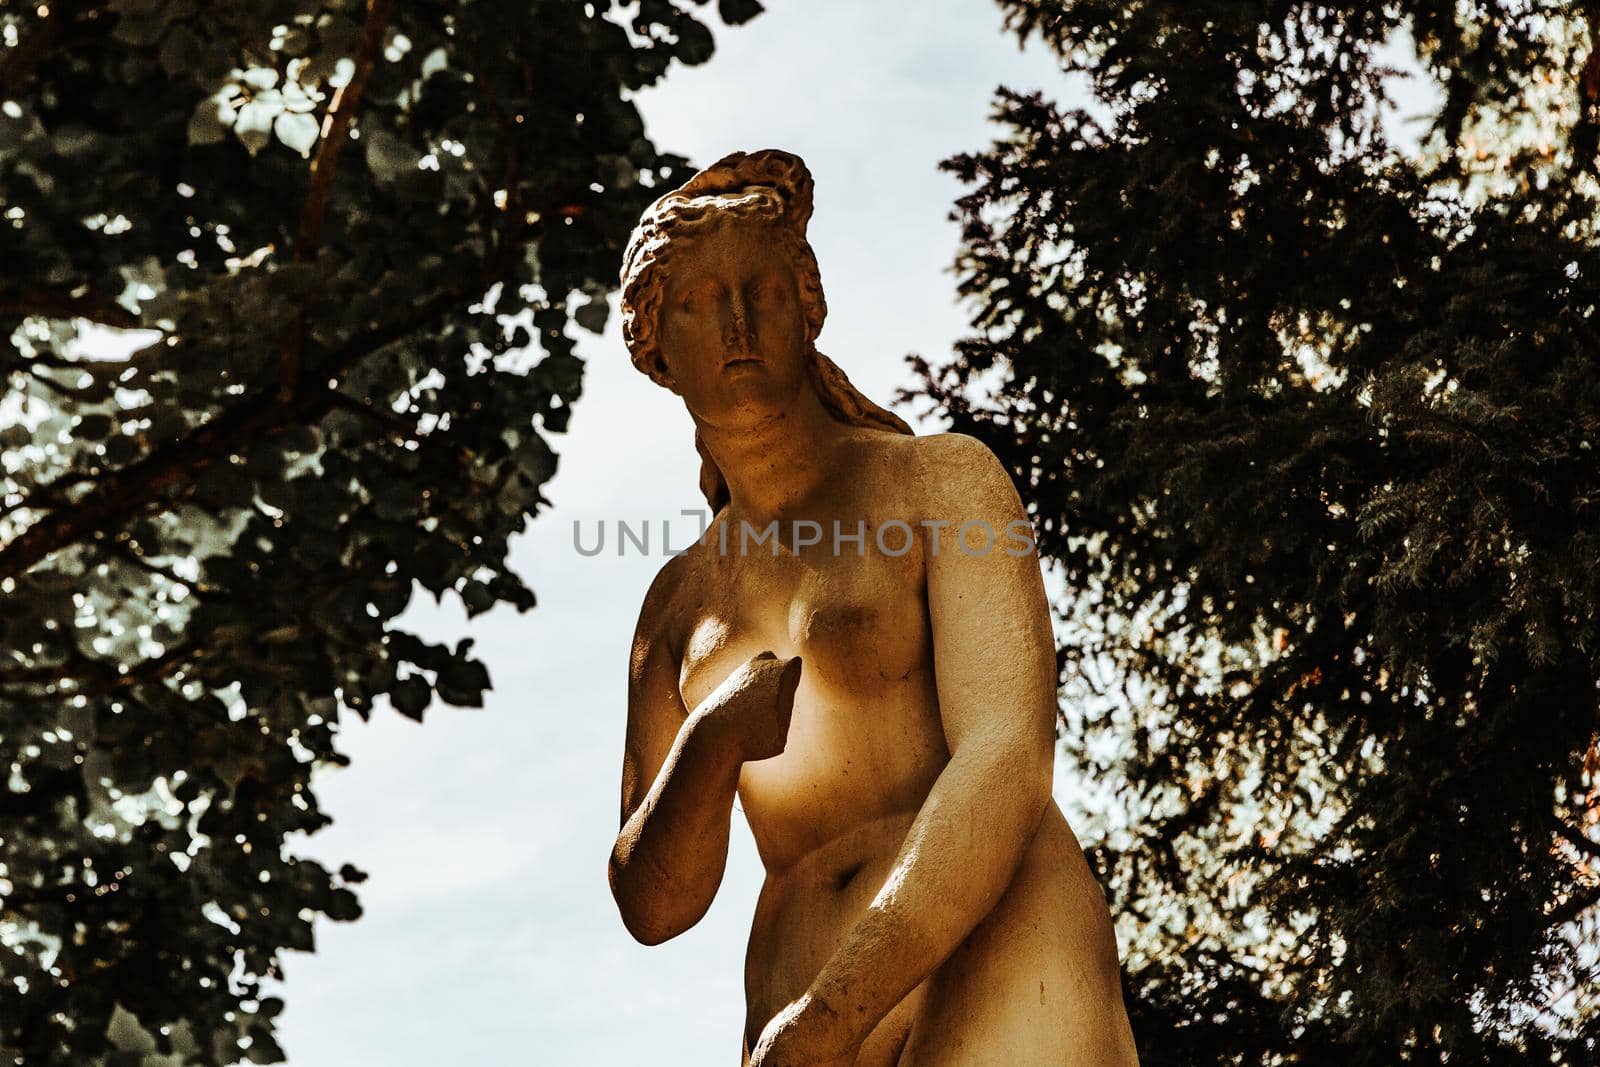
[697,298]
[767,291]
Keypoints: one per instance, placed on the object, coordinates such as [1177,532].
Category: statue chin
[747,396]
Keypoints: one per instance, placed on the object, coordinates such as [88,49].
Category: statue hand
[807,1033]
[755,705]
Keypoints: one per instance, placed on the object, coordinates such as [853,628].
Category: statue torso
[865,740]
[865,744]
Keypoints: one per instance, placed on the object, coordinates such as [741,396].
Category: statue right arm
[680,773]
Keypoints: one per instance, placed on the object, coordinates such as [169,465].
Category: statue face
[732,331]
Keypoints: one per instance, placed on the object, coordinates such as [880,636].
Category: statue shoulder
[954,469]
[661,613]
[951,448]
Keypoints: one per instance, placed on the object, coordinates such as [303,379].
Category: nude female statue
[884,707]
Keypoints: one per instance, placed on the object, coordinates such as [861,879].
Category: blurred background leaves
[289,288]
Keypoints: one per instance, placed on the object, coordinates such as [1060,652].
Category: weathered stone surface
[860,649]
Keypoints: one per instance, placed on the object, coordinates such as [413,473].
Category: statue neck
[772,466]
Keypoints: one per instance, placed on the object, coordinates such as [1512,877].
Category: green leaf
[477,598]
[592,315]
[298,131]
[210,122]
[92,427]
[695,44]
[534,459]
[180,51]
[411,696]
[138,23]
[462,682]
[388,157]
[253,126]
[738,12]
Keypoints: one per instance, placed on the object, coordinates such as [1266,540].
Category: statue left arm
[995,669]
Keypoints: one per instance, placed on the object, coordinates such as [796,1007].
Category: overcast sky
[490,937]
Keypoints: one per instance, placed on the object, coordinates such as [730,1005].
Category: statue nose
[736,333]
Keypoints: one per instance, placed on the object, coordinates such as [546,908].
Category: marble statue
[859,649]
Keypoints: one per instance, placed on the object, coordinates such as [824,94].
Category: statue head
[751,208]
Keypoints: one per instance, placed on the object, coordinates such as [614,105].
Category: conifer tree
[1309,426]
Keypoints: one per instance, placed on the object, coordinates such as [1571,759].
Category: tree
[1309,428]
[332,231]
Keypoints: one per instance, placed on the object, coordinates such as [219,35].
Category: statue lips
[743,363]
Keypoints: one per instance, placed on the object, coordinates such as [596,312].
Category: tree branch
[141,484]
[401,431]
[335,127]
[1575,837]
[55,305]
[398,428]
[89,674]
[1574,906]
[335,131]
[121,549]
[55,386]
[491,100]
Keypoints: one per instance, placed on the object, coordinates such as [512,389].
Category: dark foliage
[344,226]
[1309,425]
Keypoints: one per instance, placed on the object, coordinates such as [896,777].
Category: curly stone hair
[769,185]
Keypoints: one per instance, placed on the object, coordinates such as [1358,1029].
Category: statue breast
[859,623]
